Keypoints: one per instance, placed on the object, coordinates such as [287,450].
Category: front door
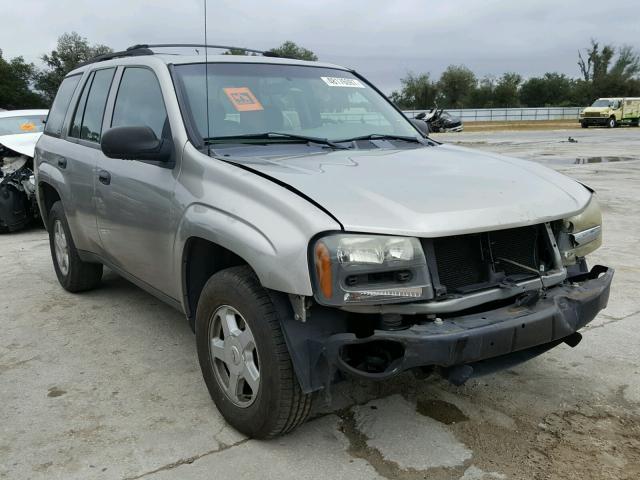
[135,206]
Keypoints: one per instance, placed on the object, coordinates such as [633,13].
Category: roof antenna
[206,75]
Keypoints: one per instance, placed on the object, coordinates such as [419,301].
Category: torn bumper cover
[505,335]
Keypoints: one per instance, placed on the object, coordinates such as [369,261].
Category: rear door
[135,202]
[81,154]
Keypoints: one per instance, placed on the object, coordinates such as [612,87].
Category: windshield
[602,103]
[22,124]
[249,99]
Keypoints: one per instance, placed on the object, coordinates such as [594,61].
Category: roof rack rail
[145,49]
[129,52]
[202,45]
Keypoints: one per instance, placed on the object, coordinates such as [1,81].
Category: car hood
[23,143]
[427,192]
[596,109]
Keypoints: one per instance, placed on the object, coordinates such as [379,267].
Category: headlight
[352,268]
[582,233]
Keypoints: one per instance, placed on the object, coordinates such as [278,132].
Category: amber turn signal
[323,270]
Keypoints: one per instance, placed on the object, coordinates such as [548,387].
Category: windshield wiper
[382,136]
[275,135]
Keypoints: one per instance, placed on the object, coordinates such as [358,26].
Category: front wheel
[611,123]
[244,358]
[73,274]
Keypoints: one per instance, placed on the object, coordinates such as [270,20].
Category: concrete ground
[106,385]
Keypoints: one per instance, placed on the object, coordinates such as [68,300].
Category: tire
[611,123]
[73,274]
[584,124]
[278,404]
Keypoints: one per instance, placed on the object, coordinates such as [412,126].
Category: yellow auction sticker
[28,127]
[243,99]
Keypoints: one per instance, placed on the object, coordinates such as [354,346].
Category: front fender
[262,222]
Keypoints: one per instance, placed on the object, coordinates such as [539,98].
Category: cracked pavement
[106,384]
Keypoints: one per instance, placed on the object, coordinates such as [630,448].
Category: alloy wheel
[61,247]
[234,356]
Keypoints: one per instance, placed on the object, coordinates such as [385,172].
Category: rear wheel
[611,123]
[73,274]
[244,358]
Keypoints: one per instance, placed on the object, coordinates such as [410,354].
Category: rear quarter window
[58,111]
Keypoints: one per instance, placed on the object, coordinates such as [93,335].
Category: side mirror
[421,125]
[135,143]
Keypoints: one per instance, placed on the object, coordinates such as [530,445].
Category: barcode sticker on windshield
[342,82]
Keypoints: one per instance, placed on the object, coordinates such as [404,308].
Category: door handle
[62,162]
[104,177]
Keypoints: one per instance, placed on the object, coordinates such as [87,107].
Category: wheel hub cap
[234,356]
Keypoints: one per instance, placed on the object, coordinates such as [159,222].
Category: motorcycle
[440,121]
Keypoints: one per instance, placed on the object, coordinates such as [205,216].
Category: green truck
[612,112]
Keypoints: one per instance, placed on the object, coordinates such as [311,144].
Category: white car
[19,133]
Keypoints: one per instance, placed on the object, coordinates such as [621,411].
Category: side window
[87,121]
[76,123]
[60,105]
[139,102]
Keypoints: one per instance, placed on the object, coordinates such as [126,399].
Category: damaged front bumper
[18,205]
[506,335]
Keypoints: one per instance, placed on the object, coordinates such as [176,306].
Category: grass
[521,125]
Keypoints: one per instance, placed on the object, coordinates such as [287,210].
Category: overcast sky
[381,39]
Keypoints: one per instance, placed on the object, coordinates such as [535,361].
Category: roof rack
[145,49]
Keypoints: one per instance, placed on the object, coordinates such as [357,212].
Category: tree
[71,50]
[597,62]
[290,50]
[16,78]
[505,93]
[482,95]
[605,75]
[455,86]
[416,92]
[552,89]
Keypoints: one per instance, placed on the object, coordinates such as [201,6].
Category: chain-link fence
[509,114]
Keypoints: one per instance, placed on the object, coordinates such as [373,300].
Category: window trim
[63,126]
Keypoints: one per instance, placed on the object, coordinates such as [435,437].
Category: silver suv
[308,230]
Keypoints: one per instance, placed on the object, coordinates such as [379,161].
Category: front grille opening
[468,263]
